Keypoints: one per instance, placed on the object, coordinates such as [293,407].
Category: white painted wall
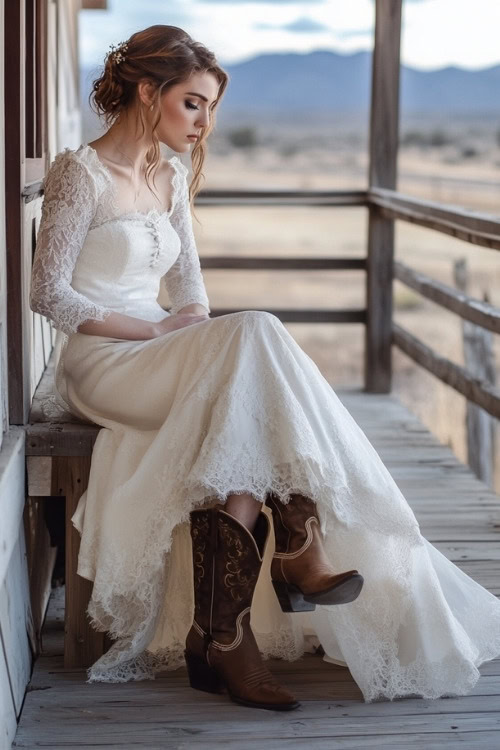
[15,654]
[15,610]
[3,280]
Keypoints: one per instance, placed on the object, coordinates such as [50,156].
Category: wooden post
[384,135]
[17,340]
[82,644]
[41,557]
[479,359]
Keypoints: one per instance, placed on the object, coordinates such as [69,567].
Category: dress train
[231,405]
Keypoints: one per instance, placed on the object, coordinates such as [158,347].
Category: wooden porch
[458,513]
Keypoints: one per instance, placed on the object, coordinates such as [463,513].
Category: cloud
[306,25]
[300,26]
[265,2]
[350,33]
[238,29]
[100,28]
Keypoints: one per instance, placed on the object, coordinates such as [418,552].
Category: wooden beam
[94,5]
[41,78]
[294,315]
[481,313]
[471,226]
[479,391]
[82,643]
[30,64]
[41,558]
[231,197]
[384,136]
[479,360]
[266,263]
[384,110]
[49,439]
[17,341]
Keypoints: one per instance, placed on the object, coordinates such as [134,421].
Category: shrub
[242,137]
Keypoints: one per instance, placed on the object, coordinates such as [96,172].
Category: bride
[235,510]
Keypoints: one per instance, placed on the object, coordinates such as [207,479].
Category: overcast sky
[435,33]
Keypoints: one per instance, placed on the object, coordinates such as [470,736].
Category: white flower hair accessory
[118,52]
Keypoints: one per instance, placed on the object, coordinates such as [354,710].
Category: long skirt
[233,405]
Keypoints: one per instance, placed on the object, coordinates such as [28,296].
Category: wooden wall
[39,52]
[16,629]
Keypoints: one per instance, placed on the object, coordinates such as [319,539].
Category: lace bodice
[91,259]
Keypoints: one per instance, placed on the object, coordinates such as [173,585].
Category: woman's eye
[191,106]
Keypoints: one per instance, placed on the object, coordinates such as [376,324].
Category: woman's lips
[193,137]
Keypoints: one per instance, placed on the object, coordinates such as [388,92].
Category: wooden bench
[58,454]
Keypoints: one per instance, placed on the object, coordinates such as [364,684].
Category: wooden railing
[282,198]
[334,198]
[386,205]
[470,226]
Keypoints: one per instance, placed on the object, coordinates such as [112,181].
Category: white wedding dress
[229,404]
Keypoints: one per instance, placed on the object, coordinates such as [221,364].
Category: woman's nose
[203,119]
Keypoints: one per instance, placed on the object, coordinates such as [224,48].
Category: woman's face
[185,110]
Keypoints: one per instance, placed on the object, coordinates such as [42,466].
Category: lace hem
[420,625]
[283,644]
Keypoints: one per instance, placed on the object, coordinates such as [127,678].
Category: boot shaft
[227,558]
[200,527]
[295,523]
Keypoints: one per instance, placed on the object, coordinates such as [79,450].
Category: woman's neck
[124,148]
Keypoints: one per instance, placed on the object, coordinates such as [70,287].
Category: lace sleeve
[69,204]
[184,280]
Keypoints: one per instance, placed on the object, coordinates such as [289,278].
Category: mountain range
[325,82]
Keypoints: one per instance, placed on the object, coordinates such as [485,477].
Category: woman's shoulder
[179,180]
[178,166]
[78,164]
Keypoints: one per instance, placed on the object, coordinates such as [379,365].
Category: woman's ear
[145,92]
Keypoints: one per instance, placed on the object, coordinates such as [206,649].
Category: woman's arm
[195,308]
[69,204]
[120,326]
[184,280]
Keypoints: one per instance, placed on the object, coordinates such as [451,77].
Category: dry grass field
[438,174]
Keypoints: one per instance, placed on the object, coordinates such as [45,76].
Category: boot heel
[291,598]
[201,675]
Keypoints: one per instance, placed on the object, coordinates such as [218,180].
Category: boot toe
[269,695]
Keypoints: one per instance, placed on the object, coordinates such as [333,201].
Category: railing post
[384,135]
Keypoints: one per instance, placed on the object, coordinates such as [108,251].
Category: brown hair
[166,56]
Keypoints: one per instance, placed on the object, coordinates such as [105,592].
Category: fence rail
[481,313]
[282,198]
[479,392]
[280,263]
[385,206]
[470,226]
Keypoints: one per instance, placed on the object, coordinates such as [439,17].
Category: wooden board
[457,512]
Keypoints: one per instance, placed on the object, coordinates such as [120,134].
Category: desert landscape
[271,133]
[460,167]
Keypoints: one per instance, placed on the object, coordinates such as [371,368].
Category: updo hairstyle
[166,56]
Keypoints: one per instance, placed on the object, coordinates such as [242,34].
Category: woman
[213,428]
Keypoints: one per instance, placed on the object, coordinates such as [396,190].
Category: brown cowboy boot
[301,573]
[221,650]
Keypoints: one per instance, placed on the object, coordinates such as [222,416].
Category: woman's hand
[178,320]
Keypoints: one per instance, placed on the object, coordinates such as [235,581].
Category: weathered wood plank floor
[457,513]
